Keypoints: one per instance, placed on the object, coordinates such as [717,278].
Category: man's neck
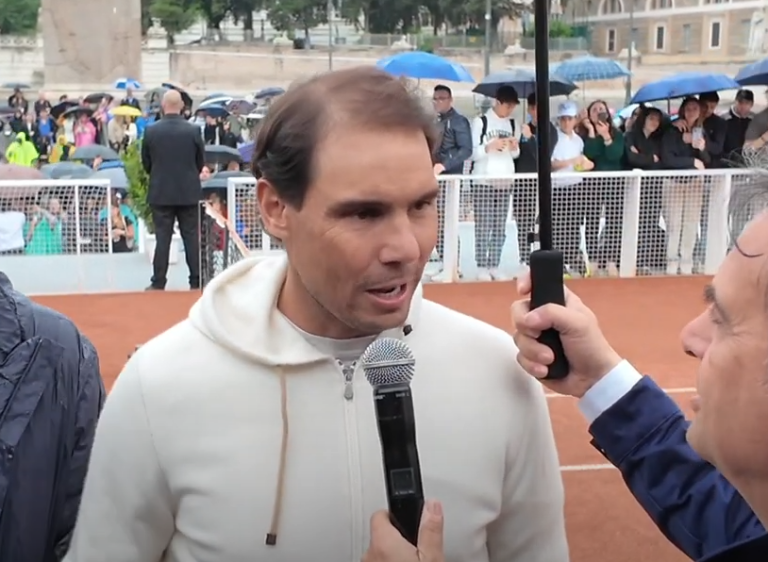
[304,311]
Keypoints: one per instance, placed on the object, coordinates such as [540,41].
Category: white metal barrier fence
[606,223]
[56,217]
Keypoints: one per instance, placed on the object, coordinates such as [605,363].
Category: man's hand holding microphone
[589,354]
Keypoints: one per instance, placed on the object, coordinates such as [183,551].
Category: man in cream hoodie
[246,433]
[496,144]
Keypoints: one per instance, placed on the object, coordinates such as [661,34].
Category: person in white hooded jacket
[247,432]
[495,144]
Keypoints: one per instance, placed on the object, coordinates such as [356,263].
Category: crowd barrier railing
[59,217]
[623,223]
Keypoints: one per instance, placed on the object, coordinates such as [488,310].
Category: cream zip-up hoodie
[230,426]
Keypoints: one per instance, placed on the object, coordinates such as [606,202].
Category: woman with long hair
[604,146]
[642,144]
[683,196]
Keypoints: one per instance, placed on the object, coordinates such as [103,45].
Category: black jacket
[173,155]
[51,395]
[735,135]
[456,144]
[527,162]
[645,149]
[715,131]
[676,154]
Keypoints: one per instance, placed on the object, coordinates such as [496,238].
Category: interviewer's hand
[590,355]
[388,545]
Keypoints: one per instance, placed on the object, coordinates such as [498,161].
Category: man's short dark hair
[299,120]
[507,94]
[443,88]
[531,99]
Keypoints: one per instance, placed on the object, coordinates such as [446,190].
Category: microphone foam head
[388,361]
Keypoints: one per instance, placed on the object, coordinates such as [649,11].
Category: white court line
[681,390]
[586,467]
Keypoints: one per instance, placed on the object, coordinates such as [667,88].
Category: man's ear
[273,209]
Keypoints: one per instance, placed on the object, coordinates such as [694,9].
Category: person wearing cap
[495,148]
[567,158]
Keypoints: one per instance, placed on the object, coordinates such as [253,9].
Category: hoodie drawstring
[278,507]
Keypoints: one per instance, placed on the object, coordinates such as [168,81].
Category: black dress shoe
[153,288]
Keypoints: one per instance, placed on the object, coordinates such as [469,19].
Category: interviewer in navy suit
[713,512]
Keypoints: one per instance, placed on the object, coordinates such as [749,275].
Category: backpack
[484,130]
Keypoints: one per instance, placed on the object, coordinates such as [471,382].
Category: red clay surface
[642,318]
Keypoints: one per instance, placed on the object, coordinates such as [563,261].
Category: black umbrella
[220,179]
[267,93]
[97,97]
[59,109]
[16,86]
[185,97]
[77,110]
[221,155]
[524,81]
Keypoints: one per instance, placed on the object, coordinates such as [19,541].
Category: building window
[746,30]
[611,7]
[660,4]
[610,41]
[660,38]
[686,42]
[715,34]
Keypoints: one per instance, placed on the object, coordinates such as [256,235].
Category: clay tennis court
[642,318]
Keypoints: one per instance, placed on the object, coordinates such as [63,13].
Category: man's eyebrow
[354,205]
[710,297]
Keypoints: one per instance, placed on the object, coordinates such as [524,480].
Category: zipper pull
[349,374]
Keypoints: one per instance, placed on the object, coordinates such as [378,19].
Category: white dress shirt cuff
[608,390]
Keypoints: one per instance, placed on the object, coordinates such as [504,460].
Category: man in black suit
[173,156]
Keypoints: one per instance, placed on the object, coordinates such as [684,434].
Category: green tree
[383,16]
[146,16]
[242,11]
[214,12]
[297,15]
[18,17]
[175,15]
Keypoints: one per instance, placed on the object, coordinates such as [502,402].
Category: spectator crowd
[493,148]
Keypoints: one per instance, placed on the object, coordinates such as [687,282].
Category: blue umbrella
[270,92]
[418,64]
[587,68]
[216,95]
[246,151]
[126,83]
[524,81]
[755,74]
[60,170]
[218,100]
[684,84]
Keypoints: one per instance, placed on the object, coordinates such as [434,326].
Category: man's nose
[402,244]
[697,336]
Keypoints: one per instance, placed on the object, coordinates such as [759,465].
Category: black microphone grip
[547,287]
[402,470]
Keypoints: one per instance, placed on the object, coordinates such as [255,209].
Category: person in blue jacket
[704,484]
[51,394]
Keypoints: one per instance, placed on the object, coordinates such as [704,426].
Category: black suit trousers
[163,217]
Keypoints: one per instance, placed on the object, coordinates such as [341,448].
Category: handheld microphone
[389,366]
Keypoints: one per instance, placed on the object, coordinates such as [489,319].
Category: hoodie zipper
[348,370]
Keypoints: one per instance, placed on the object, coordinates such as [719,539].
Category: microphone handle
[402,469]
[547,287]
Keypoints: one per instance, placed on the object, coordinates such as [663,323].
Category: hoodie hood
[238,311]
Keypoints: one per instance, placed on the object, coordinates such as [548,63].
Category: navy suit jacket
[697,509]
